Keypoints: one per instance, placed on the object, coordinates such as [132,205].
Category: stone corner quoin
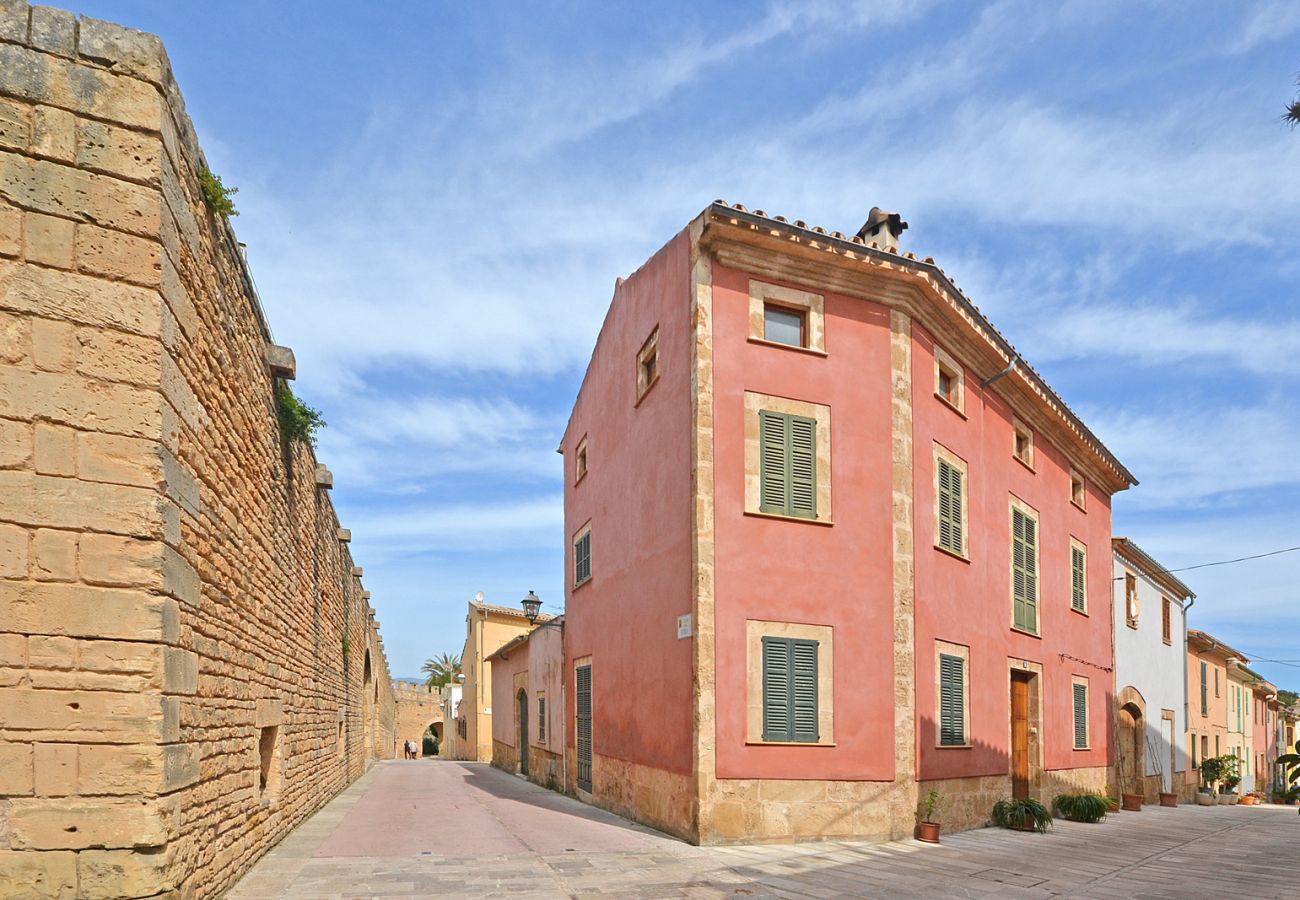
[185,641]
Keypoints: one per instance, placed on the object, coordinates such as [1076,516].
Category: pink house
[832,544]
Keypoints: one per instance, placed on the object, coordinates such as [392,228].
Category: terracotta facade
[189,664]
[684,569]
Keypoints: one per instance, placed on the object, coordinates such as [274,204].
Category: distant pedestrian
[410,750]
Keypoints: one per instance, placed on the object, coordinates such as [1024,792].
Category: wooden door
[1130,781]
[523,733]
[1019,735]
[1167,740]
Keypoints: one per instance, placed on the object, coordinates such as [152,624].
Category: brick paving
[442,829]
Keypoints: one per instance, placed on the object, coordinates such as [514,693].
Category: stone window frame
[821,414]
[1020,430]
[1087,712]
[952,459]
[813,306]
[578,535]
[945,363]
[580,460]
[824,635]
[963,651]
[1014,504]
[1076,544]
[649,350]
[1078,490]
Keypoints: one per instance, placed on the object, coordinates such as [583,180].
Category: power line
[1222,562]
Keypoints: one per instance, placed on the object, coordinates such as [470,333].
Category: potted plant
[1081,807]
[1112,804]
[1249,799]
[1228,783]
[930,828]
[1025,814]
[1213,770]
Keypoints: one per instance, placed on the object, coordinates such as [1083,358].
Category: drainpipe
[1011,367]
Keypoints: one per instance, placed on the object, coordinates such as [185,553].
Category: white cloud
[1272,21]
[436,527]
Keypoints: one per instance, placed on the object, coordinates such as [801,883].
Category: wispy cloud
[1272,21]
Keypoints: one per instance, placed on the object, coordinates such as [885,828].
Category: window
[787,317]
[788,476]
[1131,599]
[954,712]
[949,380]
[1080,687]
[582,717]
[787,458]
[1216,683]
[950,502]
[1194,765]
[541,719]
[647,365]
[1022,442]
[582,556]
[1217,749]
[580,461]
[1024,568]
[783,325]
[1078,492]
[268,751]
[1205,746]
[1205,704]
[1166,620]
[790,690]
[342,739]
[1078,577]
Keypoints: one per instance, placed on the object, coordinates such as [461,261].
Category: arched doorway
[431,740]
[523,731]
[367,708]
[1131,742]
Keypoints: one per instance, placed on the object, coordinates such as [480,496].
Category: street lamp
[532,606]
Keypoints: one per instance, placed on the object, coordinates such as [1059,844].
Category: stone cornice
[791,252]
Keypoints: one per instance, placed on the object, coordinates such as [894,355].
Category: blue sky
[438,197]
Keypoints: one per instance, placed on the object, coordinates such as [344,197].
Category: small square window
[647,365]
[268,751]
[1023,443]
[580,461]
[949,381]
[1078,493]
[784,325]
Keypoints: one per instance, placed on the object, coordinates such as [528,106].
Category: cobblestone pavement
[442,829]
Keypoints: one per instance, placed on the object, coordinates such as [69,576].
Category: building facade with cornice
[832,543]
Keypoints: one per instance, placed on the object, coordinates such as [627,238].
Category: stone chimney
[883,227]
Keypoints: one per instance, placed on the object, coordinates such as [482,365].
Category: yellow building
[487,628]
[1240,700]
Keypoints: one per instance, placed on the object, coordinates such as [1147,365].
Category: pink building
[833,543]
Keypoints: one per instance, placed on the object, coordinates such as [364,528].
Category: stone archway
[432,734]
[1130,742]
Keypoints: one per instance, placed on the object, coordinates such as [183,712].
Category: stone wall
[417,709]
[189,664]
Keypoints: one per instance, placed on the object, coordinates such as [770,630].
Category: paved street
[432,828]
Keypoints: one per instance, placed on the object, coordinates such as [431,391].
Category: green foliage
[298,421]
[347,649]
[1023,814]
[440,670]
[1214,769]
[1287,698]
[1290,775]
[216,195]
[1081,807]
[931,802]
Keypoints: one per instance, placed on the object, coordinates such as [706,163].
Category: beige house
[488,627]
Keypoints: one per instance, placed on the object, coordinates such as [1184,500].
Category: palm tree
[1292,116]
[440,670]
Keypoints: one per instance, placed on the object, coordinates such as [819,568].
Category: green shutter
[1205,704]
[541,718]
[1024,574]
[1077,596]
[950,508]
[790,690]
[582,716]
[787,464]
[582,559]
[776,689]
[1080,716]
[952,700]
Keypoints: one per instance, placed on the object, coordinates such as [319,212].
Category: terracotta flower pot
[1131,802]
[1248,800]
[1168,799]
[930,832]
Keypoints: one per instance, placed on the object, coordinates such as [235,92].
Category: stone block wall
[189,664]
[417,709]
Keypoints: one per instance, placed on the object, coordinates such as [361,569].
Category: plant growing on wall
[216,195]
[298,421]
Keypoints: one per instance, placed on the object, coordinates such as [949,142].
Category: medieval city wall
[417,709]
[189,664]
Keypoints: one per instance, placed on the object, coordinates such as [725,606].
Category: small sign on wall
[684,629]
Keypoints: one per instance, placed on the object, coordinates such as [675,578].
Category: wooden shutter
[951,534]
[787,464]
[1080,716]
[952,700]
[790,690]
[541,718]
[1205,704]
[1165,620]
[583,716]
[803,467]
[774,484]
[777,715]
[1024,574]
[1078,597]
[582,559]
[805,691]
